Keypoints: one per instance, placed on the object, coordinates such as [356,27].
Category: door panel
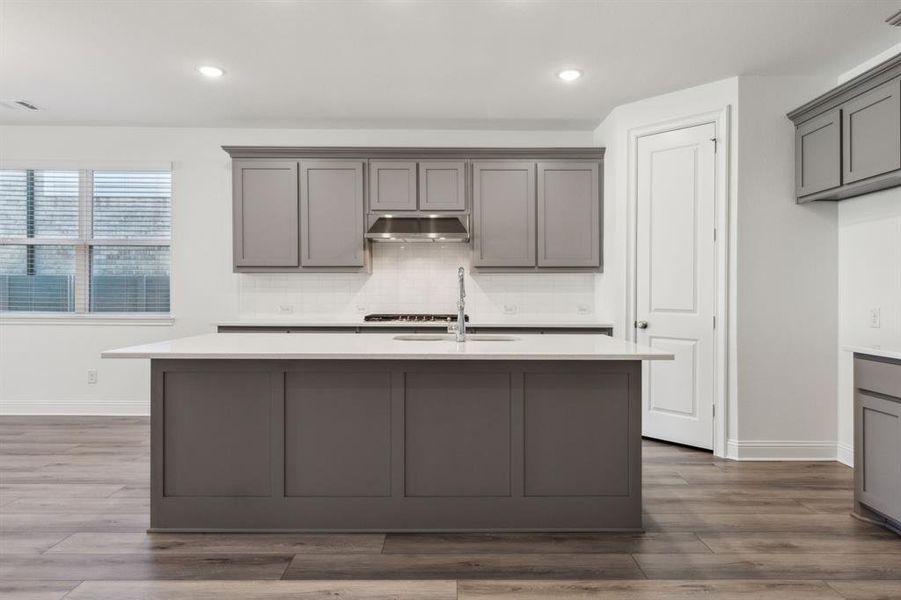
[564,453]
[673,214]
[568,215]
[265,213]
[880,445]
[331,203]
[503,207]
[338,434]
[675,281]
[818,165]
[442,185]
[457,434]
[216,433]
[392,185]
[676,380]
[872,133]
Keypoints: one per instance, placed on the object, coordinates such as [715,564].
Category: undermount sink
[436,337]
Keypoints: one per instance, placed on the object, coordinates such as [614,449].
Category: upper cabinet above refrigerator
[848,141]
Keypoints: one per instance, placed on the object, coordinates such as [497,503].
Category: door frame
[721,119]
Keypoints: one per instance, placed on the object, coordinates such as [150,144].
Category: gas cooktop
[411,318]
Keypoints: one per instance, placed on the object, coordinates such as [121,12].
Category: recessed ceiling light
[569,74]
[210,71]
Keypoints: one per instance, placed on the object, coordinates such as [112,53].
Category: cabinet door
[442,185]
[331,213]
[871,143]
[879,445]
[503,205]
[392,185]
[818,165]
[265,213]
[569,221]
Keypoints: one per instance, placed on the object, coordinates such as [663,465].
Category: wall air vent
[18,105]
[895,19]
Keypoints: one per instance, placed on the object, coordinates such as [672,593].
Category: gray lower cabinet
[442,185]
[265,213]
[569,220]
[331,213]
[818,156]
[848,141]
[877,439]
[504,213]
[356,445]
[871,142]
[392,185]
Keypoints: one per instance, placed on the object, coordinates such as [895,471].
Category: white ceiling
[394,63]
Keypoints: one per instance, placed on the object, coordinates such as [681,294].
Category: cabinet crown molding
[364,152]
[864,82]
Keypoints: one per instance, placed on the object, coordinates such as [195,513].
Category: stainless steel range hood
[417,229]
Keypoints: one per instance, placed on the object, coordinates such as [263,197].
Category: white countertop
[359,322]
[383,346]
[884,352]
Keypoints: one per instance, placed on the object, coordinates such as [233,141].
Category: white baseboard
[845,454]
[780,450]
[75,407]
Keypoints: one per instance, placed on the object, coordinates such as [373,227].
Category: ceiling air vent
[895,19]
[18,105]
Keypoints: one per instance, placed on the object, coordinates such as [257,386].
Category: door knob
[641,324]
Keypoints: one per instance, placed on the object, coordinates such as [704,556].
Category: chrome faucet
[460,330]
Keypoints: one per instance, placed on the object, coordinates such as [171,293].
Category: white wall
[785,285]
[869,276]
[783,257]
[43,367]
[614,133]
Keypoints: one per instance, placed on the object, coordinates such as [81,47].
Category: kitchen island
[338,432]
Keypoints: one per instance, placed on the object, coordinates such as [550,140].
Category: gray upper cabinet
[818,165]
[872,133]
[307,208]
[568,214]
[331,213]
[392,185]
[265,213]
[504,215]
[442,185]
[848,141]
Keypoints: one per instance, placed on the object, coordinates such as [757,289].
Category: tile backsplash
[418,278]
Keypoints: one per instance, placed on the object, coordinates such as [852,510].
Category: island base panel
[418,445]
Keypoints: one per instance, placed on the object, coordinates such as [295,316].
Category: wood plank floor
[74,510]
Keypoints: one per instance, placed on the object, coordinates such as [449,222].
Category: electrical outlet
[509,309]
[92,376]
[583,309]
[875,318]
[285,309]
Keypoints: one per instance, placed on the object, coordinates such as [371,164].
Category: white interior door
[675,281]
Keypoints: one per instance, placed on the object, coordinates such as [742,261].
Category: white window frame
[82,245]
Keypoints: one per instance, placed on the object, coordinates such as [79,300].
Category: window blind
[131,205]
[85,241]
[37,278]
[39,204]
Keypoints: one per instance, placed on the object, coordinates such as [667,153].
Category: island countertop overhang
[379,346]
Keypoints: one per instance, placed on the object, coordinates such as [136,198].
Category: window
[84,241]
